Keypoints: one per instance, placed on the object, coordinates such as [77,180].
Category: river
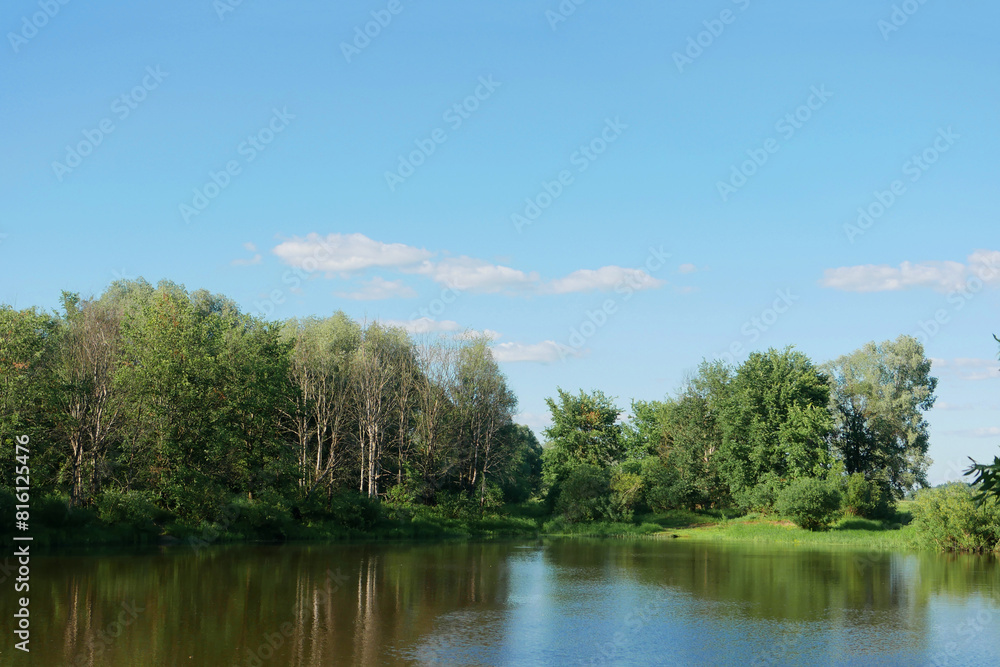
[544,602]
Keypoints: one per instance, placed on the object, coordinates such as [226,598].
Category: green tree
[27,346]
[879,394]
[584,431]
[775,420]
[87,410]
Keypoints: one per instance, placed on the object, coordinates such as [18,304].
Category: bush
[948,518]
[132,509]
[355,510]
[265,517]
[810,502]
[867,498]
[627,492]
[456,505]
[761,497]
[585,495]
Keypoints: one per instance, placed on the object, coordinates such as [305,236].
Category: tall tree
[26,349]
[89,411]
[486,406]
[585,430]
[775,421]
[879,395]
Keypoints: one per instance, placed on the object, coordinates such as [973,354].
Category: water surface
[547,602]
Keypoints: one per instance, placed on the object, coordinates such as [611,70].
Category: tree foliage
[775,420]
[879,394]
[156,397]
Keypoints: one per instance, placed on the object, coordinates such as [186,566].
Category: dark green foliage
[867,498]
[524,478]
[810,502]
[949,518]
[266,517]
[161,410]
[762,496]
[584,431]
[987,479]
[133,509]
[355,510]
[663,490]
[585,494]
[775,420]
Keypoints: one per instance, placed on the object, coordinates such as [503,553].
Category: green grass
[58,527]
[848,531]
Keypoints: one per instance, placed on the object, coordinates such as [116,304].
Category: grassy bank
[718,525]
[54,526]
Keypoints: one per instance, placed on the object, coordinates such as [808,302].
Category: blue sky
[697,168]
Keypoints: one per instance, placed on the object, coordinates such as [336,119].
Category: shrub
[663,493]
[133,509]
[627,492]
[456,504]
[761,497]
[867,498]
[585,495]
[266,516]
[810,502]
[355,510]
[949,518]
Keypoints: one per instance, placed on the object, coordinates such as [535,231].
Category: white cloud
[475,275]
[423,325]
[687,268]
[256,259]
[941,276]
[378,288]
[545,352]
[347,254]
[603,279]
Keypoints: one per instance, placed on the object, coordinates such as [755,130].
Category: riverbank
[414,522]
[717,525]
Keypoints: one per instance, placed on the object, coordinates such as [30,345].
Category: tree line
[770,433]
[184,399]
[160,402]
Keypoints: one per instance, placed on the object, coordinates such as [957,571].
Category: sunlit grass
[848,531]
